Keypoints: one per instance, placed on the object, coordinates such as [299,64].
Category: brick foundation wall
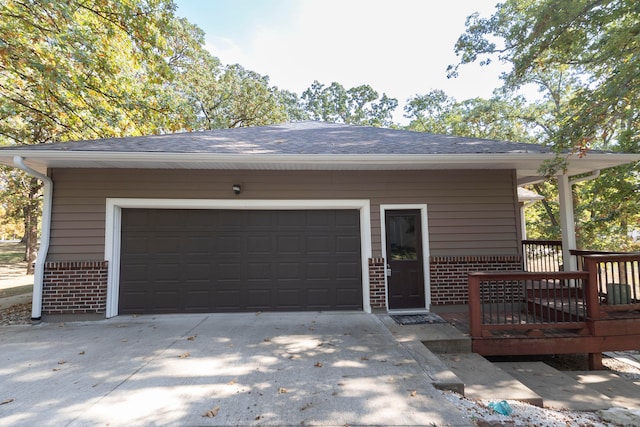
[74,287]
[377,291]
[449,275]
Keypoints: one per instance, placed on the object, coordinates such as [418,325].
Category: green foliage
[357,106]
[500,118]
[231,96]
[83,69]
[597,42]
[584,56]
[86,69]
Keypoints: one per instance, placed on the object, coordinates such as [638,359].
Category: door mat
[417,319]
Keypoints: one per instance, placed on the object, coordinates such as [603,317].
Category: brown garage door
[190,261]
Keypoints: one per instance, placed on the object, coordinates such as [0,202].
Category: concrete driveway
[215,369]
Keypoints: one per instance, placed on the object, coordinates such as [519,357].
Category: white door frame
[425,247]
[113,225]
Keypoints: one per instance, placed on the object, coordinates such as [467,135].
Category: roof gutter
[593,175]
[36,310]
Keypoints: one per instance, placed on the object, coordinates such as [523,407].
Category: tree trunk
[32,212]
[31,251]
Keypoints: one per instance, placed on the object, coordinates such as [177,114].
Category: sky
[398,47]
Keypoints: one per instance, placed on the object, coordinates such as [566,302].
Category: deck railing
[527,302]
[616,279]
[542,255]
[609,283]
[589,311]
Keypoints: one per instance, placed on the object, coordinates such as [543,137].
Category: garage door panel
[167,271]
[196,301]
[197,245]
[291,219]
[227,245]
[166,245]
[319,245]
[319,270]
[348,270]
[195,272]
[258,300]
[259,245]
[259,271]
[288,245]
[347,244]
[136,244]
[288,270]
[208,261]
[227,271]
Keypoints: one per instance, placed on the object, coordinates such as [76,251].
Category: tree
[500,117]
[231,96]
[82,69]
[292,105]
[584,55]
[356,106]
[596,41]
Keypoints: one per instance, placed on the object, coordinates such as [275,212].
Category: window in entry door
[402,237]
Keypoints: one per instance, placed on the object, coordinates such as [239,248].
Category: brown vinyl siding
[470,212]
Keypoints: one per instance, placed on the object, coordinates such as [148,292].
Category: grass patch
[18,290]
[11,253]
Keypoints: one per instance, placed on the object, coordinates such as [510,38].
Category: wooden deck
[592,311]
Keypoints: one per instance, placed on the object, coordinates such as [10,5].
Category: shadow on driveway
[246,369]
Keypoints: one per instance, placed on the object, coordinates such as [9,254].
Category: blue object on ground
[501,407]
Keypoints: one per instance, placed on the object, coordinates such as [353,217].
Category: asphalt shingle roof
[306,138]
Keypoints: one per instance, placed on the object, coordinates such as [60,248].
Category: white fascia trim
[113,224]
[425,247]
[121,159]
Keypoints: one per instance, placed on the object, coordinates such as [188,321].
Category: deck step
[484,380]
[557,389]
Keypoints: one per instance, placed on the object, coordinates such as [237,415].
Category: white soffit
[526,164]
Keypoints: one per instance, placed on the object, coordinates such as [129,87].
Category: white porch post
[567,222]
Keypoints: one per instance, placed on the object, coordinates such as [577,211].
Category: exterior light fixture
[236,189]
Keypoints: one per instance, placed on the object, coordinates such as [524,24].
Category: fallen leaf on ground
[81,353]
[282,390]
[413,393]
[62,362]
[233,381]
[184,355]
[4,402]
[364,358]
[318,365]
[192,337]
[212,413]
[56,369]
[306,406]
[125,340]
[266,340]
